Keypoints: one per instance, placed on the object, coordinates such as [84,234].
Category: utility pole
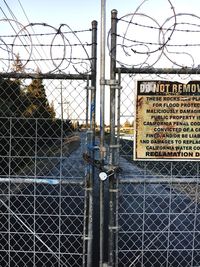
[63,103]
[61,100]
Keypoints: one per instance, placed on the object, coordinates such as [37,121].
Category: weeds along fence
[154,209]
[48,83]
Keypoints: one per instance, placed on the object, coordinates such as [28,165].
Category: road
[159,224]
[41,218]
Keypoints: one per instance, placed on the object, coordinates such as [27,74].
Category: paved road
[159,224]
[41,221]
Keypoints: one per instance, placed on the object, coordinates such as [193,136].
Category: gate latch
[104,169]
[104,175]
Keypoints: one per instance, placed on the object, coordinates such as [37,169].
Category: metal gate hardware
[95,163]
[113,83]
[114,146]
[113,190]
[89,87]
[104,168]
[113,228]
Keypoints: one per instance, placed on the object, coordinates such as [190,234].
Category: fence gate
[54,209]
[46,126]
[154,204]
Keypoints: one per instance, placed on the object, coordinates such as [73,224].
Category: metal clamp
[112,83]
[89,87]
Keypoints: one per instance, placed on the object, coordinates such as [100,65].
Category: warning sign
[167,121]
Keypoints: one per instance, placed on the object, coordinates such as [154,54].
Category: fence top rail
[124,70]
[58,76]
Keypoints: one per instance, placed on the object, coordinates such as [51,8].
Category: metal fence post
[102,126]
[113,85]
[113,146]
[90,173]
[87,105]
[92,129]
[93,79]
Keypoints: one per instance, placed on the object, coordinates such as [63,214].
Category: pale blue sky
[79,13]
[54,12]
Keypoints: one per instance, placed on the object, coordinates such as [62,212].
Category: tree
[39,106]
[36,89]
[17,65]
[51,110]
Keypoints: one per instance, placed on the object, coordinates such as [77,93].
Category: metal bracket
[87,238]
[89,87]
[113,228]
[112,83]
[88,188]
[113,190]
[102,149]
[115,146]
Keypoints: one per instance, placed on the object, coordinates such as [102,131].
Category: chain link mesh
[42,212]
[43,126]
[157,201]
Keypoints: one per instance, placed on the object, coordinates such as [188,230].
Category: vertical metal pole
[113,151]
[87,104]
[92,153]
[117,180]
[102,75]
[102,122]
[61,100]
[86,225]
[118,115]
[113,84]
[93,82]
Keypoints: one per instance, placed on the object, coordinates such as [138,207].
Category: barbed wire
[144,42]
[43,47]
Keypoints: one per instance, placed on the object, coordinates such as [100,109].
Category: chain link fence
[42,190]
[148,211]
[45,80]
[156,220]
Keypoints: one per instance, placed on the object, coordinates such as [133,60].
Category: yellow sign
[167,121]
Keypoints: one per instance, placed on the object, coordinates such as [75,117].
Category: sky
[79,13]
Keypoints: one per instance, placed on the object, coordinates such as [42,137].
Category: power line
[25,14]
[27,40]
[31,53]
